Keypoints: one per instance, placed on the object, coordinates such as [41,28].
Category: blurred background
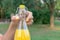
[46,15]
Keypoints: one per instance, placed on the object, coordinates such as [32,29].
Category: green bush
[41,16]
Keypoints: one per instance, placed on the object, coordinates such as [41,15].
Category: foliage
[40,10]
[57,4]
[41,16]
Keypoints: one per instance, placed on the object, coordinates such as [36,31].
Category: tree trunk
[52,5]
[52,18]
[2,14]
[51,8]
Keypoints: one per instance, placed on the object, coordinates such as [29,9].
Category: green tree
[40,10]
[57,7]
[51,6]
[1,10]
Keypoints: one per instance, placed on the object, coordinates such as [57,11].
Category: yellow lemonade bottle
[22,32]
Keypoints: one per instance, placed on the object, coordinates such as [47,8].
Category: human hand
[29,18]
[1,36]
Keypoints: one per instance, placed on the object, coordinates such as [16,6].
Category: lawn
[38,32]
[3,28]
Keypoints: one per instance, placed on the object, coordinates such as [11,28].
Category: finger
[15,18]
[30,22]
[29,16]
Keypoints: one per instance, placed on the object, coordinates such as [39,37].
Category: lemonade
[22,35]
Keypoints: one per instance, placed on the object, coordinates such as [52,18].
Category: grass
[57,22]
[3,28]
[38,32]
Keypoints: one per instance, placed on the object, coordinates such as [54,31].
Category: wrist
[12,26]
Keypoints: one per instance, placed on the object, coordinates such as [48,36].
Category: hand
[1,36]
[29,18]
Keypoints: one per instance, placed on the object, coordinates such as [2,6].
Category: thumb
[29,16]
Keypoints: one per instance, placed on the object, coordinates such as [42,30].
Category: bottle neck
[22,25]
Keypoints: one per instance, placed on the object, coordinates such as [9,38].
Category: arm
[1,36]
[11,30]
[9,35]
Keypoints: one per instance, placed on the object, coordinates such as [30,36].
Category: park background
[46,15]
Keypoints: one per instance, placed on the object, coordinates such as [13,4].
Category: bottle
[22,32]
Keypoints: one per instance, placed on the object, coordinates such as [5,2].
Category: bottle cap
[21,6]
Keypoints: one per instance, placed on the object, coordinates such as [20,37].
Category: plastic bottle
[22,32]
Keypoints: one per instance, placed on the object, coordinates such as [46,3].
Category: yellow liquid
[22,35]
